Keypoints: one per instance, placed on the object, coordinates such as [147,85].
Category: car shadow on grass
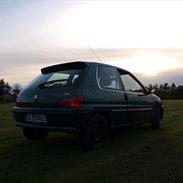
[61,154]
[70,143]
[61,144]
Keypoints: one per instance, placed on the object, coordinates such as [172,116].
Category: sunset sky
[144,37]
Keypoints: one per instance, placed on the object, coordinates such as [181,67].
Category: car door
[113,95]
[139,102]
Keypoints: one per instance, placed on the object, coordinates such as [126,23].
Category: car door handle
[125,96]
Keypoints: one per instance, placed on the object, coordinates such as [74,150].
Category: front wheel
[35,133]
[94,133]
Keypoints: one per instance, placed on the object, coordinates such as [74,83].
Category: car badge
[35,98]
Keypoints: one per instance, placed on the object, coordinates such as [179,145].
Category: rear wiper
[50,83]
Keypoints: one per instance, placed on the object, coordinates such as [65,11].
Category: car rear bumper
[67,120]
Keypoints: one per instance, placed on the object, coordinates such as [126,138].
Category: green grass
[133,155]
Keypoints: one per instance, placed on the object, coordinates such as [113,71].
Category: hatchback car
[84,97]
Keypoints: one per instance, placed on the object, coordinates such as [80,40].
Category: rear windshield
[59,78]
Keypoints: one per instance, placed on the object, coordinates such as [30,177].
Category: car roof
[75,64]
[104,64]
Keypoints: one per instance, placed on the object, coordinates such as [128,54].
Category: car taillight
[74,102]
[18,103]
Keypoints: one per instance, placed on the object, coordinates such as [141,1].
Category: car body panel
[140,107]
[110,101]
[118,106]
[58,119]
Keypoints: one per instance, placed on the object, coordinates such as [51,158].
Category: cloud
[170,76]
[22,67]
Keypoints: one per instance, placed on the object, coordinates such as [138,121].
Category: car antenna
[93,52]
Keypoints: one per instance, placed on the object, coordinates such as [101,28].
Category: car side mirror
[150,91]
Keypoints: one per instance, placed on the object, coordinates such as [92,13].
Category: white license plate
[36,118]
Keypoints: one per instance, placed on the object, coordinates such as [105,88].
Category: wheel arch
[105,114]
[160,106]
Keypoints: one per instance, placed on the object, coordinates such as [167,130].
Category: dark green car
[84,97]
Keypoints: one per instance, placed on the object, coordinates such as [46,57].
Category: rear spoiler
[65,66]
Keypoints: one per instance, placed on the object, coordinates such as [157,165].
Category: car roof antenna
[94,53]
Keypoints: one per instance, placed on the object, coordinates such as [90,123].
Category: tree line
[164,91]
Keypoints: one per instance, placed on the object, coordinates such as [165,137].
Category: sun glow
[149,63]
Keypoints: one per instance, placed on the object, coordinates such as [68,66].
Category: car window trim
[118,76]
[130,74]
[97,78]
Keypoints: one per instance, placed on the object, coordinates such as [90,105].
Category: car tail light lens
[18,103]
[74,102]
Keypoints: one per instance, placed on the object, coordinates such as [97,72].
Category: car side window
[130,84]
[108,78]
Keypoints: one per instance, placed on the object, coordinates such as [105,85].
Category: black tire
[94,134]
[156,120]
[35,133]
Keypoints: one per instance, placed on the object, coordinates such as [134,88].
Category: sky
[144,37]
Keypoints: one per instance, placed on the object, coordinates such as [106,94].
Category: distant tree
[2,83]
[156,87]
[149,87]
[173,87]
[16,89]
[179,91]
[4,89]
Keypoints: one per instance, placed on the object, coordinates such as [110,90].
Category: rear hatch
[54,84]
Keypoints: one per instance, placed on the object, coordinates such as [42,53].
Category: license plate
[36,118]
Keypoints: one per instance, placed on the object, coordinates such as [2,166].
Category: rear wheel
[35,133]
[156,120]
[94,134]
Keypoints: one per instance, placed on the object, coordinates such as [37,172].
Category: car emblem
[35,98]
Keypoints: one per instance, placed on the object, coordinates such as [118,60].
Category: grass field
[134,155]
